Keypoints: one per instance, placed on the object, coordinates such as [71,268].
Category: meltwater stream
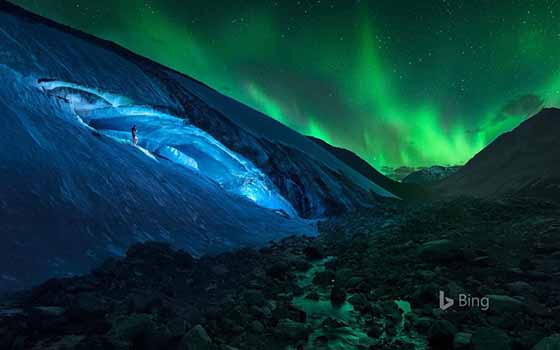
[169,137]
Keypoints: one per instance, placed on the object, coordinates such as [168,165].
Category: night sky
[411,83]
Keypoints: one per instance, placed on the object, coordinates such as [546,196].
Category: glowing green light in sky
[415,83]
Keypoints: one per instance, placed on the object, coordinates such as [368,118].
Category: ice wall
[170,137]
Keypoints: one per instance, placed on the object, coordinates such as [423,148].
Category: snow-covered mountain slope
[71,195]
[430,175]
[207,174]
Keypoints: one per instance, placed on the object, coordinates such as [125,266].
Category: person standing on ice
[134,135]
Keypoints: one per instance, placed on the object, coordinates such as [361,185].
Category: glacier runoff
[74,190]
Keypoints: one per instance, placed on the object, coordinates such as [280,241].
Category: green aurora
[399,83]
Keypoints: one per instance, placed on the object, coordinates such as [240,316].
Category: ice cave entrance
[169,137]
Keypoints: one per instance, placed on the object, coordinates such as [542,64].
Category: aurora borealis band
[411,83]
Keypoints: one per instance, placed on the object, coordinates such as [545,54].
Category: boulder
[300,264]
[260,312]
[343,275]
[422,324]
[254,297]
[132,326]
[442,250]
[257,327]
[441,335]
[184,260]
[313,296]
[196,339]
[519,287]
[177,327]
[500,304]
[490,339]
[324,278]
[278,270]
[549,343]
[338,296]
[331,323]
[144,302]
[51,311]
[289,311]
[375,331]
[87,306]
[291,330]
[425,294]
[359,302]
[313,253]
[391,312]
[462,341]
[148,250]
[528,339]
[353,282]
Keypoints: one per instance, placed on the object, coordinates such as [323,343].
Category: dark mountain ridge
[524,161]
[403,190]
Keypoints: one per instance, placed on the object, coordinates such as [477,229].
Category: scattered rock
[242,298]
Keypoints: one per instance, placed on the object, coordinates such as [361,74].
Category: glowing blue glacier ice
[177,156]
[114,100]
[171,137]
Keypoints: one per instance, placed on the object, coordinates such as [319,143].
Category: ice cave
[168,137]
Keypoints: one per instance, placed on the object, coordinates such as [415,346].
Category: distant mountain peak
[430,175]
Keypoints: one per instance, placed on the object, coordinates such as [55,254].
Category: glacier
[169,137]
[72,195]
[207,175]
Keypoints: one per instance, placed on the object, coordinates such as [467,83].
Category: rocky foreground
[370,281]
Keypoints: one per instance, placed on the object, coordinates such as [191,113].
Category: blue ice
[170,137]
